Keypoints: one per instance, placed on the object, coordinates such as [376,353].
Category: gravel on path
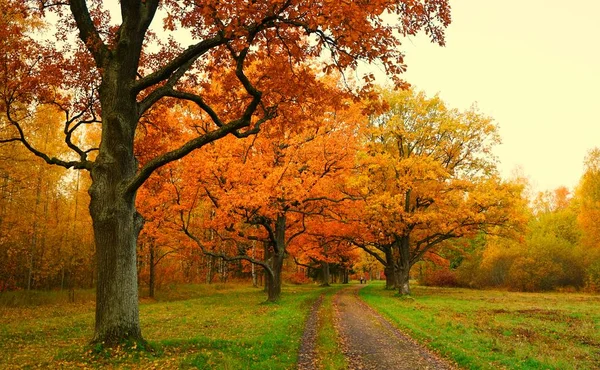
[307,355]
[371,342]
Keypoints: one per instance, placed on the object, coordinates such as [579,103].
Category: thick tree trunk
[116,222]
[253,266]
[390,272]
[210,262]
[274,281]
[403,264]
[325,271]
[116,228]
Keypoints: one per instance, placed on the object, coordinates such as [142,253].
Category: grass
[203,326]
[329,354]
[498,330]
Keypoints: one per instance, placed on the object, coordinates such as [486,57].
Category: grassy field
[206,327]
[230,327]
[494,329]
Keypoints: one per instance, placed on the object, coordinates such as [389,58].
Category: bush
[593,278]
[440,278]
[529,275]
[298,278]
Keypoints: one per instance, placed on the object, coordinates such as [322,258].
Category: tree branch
[83,164]
[193,52]
[88,32]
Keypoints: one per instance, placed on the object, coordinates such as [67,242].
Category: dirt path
[307,356]
[367,339]
[370,342]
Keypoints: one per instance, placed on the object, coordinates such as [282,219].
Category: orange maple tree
[238,63]
[270,187]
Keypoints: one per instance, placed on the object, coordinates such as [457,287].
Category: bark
[268,257]
[403,254]
[346,277]
[325,267]
[391,279]
[403,264]
[274,279]
[223,271]
[116,222]
[325,271]
[210,261]
[253,267]
[151,283]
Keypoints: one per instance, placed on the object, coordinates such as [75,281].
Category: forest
[132,162]
[341,202]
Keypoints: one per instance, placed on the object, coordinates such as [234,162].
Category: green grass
[204,326]
[495,329]
[329,353]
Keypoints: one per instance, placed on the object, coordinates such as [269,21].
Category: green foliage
[549,256]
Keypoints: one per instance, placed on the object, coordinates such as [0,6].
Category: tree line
[251,151]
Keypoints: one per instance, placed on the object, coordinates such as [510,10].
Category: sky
[532,65]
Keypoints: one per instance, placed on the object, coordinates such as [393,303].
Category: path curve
[370,342]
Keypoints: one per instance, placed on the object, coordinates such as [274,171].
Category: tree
[247,56]
[44,233]
[588,197]
[269,189]
[428,176]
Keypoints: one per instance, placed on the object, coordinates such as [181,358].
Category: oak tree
[109,67]
[428,176]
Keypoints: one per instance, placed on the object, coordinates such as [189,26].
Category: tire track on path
[370,342]
[307,355]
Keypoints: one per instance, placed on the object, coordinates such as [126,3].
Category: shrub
[298,278]
[440,278]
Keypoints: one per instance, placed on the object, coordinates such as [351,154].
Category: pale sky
[532,65]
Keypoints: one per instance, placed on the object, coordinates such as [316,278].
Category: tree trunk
[268,259]
[325,271]
[274,280]
[403,266]
[253,267]
[116,222]
[152,281]
[346,276]
[116,228]
[391,279]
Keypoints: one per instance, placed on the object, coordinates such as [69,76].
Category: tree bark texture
[277,257]
[403,265]
[325,270]
[116,222]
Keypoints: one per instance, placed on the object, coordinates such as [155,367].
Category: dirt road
[370,342]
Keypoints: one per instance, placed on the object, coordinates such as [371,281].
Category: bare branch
[223,256]
[190,54]
[88,32]
[83,164]
[299,232]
